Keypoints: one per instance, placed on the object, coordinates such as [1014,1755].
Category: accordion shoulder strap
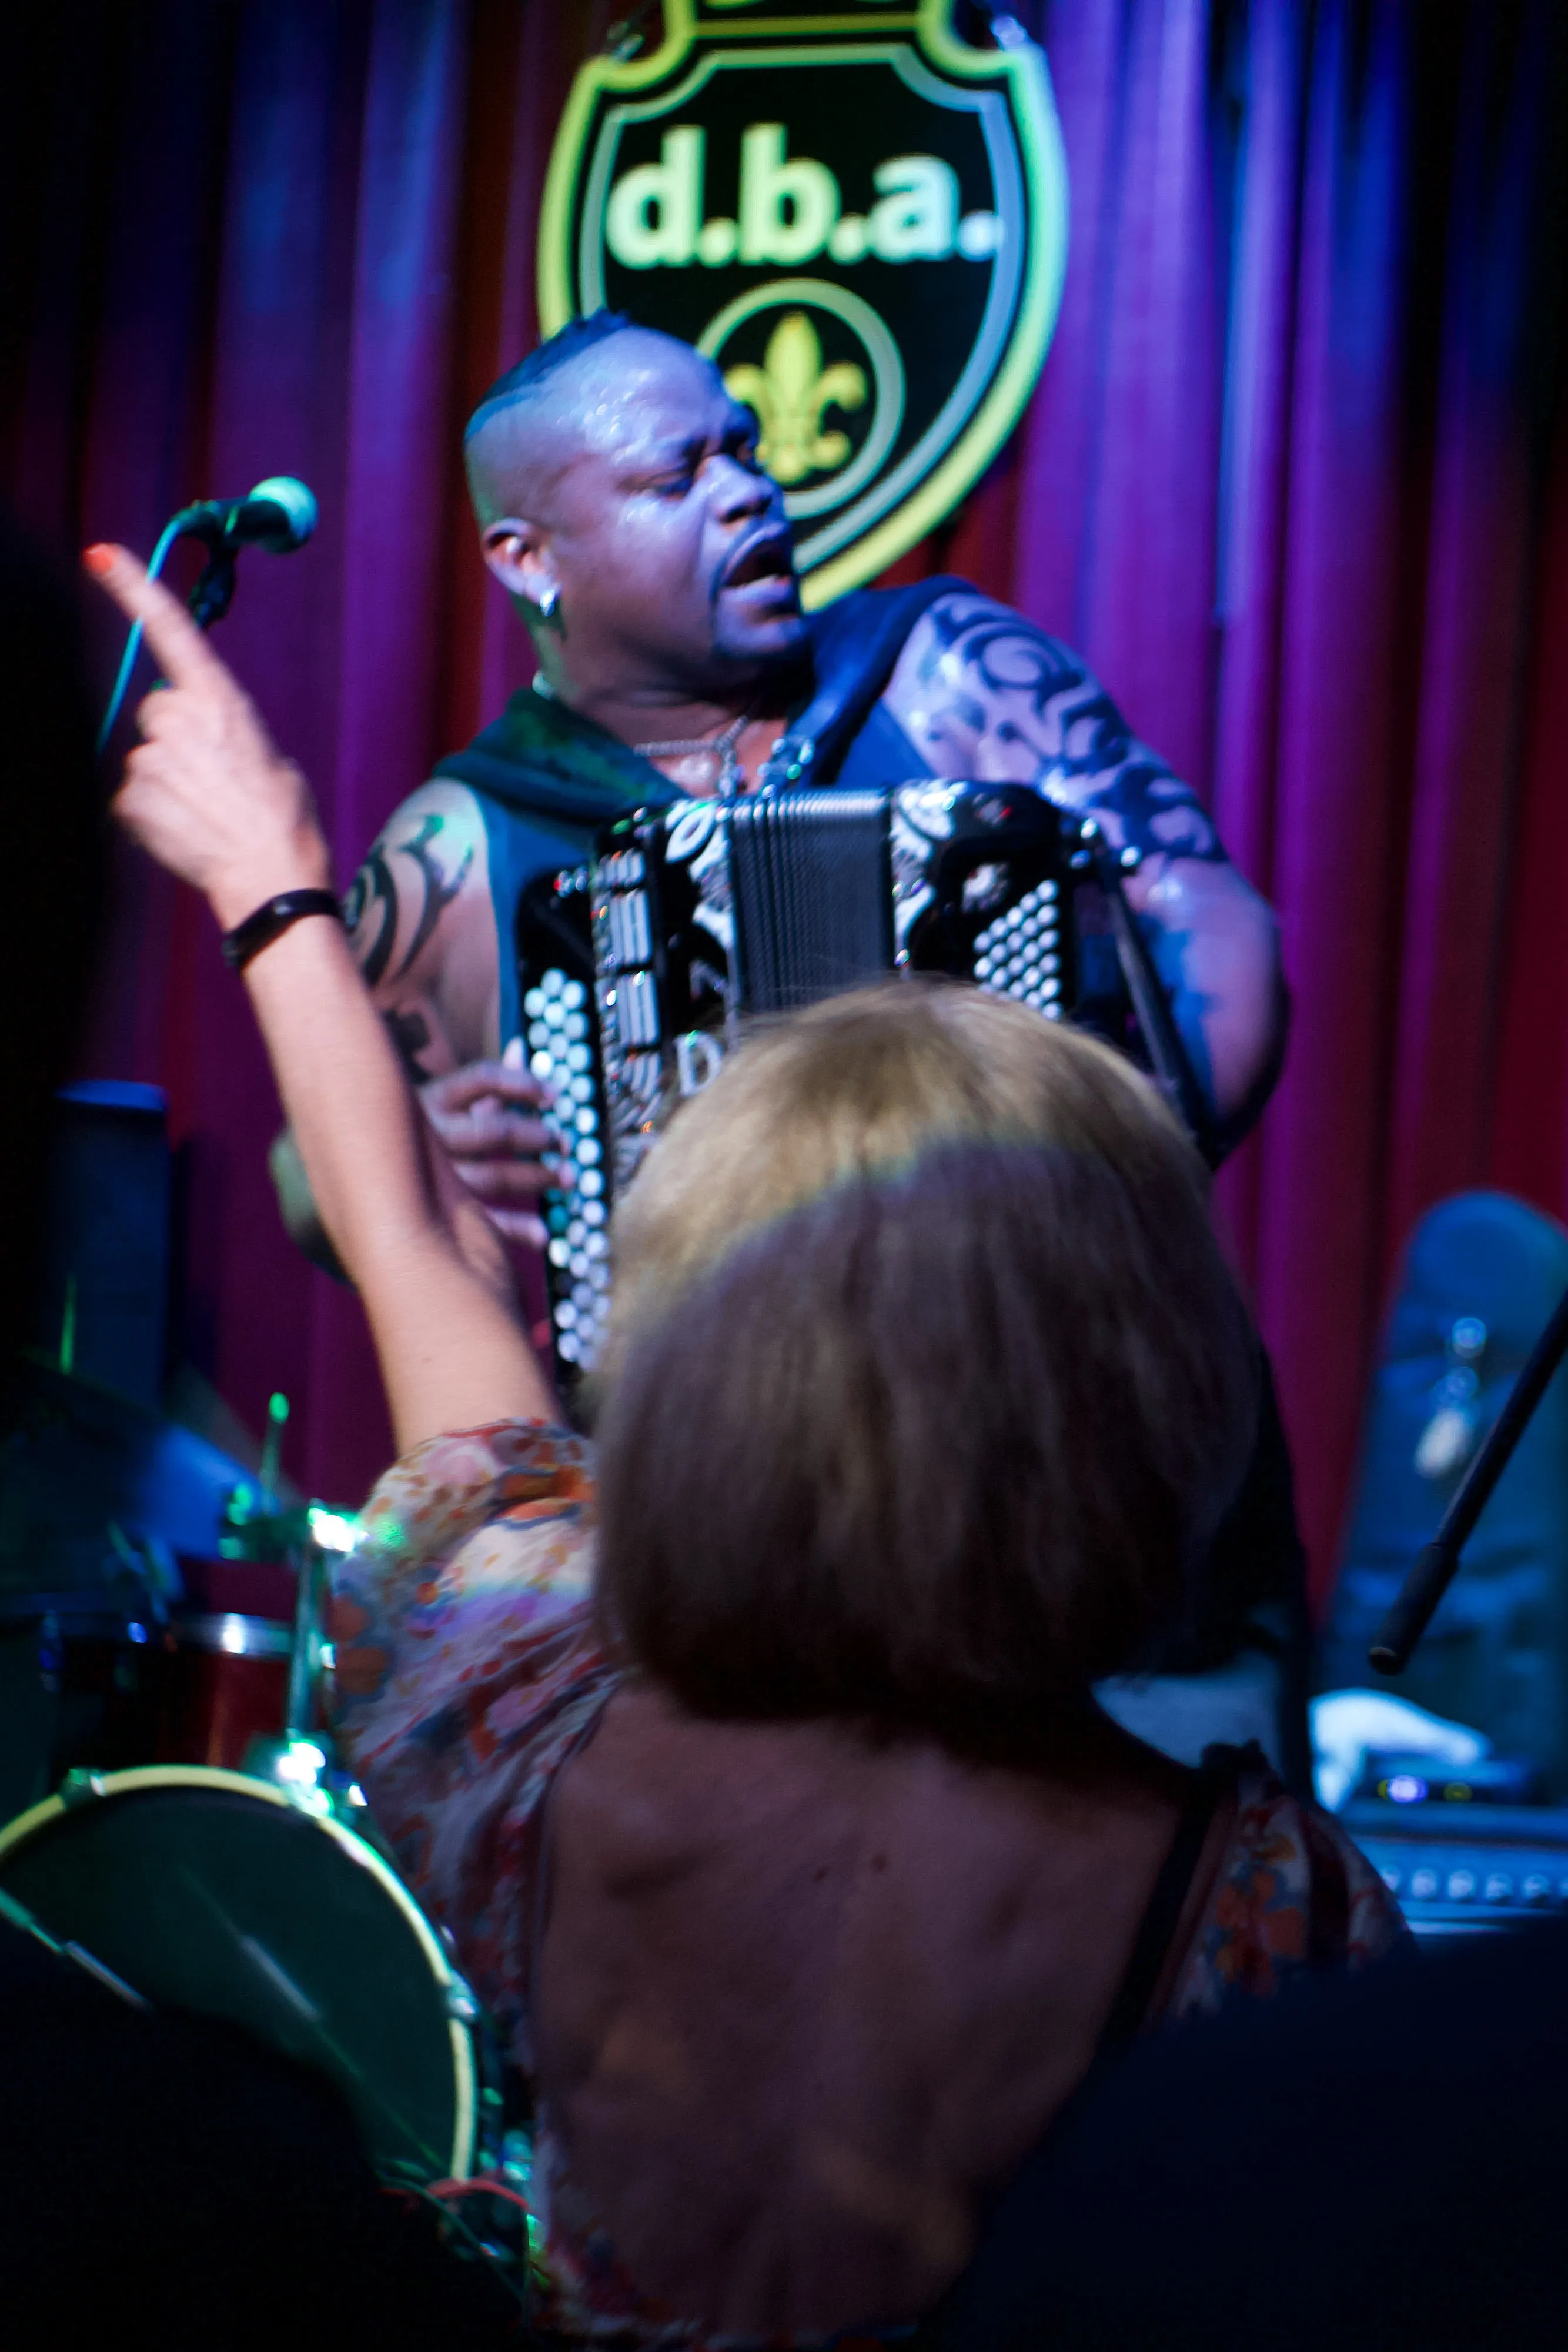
[856,646]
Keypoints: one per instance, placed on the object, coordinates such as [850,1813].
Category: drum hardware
[88,1476]
[123,1673]
[299,1755]
[18,1915]
[151,1567]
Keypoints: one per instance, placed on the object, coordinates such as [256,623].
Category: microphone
[279,514]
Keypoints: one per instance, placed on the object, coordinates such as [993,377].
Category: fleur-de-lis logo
[790,390]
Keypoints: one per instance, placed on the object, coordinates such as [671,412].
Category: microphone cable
[160,556]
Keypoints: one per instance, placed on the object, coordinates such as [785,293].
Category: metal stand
[1151,1001]
[213,592]
[305,1657]
[1438,1563]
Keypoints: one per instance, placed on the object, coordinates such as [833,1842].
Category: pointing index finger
[184,655]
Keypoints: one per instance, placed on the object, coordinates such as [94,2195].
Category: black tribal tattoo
[1098,766]
[410,1034]
[375,883]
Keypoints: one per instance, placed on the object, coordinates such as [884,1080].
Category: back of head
[861,1084]
[930,1380]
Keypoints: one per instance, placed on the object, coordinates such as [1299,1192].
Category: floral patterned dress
[468,1672]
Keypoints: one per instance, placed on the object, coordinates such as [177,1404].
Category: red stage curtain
[1295,481]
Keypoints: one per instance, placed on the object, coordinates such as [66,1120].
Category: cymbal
[79,1462]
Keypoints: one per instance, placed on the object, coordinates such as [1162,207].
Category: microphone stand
[1437,1564]
[213,595]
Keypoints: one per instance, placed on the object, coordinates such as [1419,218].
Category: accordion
[638,969]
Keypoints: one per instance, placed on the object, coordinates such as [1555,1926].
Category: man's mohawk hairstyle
[568,342]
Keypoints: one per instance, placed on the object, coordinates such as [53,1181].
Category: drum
[225,1684]
[201,1890]
[86,1685]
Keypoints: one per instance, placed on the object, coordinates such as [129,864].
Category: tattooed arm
[982,693]
[424,932]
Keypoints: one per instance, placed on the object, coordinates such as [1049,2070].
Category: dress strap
[1152,1944]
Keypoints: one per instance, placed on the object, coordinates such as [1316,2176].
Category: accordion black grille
[812,877]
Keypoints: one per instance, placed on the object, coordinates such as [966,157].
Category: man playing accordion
[621,504]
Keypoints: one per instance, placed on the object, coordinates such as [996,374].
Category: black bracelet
[270,921]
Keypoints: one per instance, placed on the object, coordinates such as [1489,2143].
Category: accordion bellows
[638,970]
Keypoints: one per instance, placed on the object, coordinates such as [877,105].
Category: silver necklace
[725,774]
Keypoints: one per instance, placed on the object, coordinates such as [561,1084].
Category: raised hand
[210,795]
[206,791]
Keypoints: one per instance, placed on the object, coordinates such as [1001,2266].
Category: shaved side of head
[512,460]
[526,427]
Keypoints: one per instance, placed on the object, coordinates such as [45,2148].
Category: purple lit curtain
[1295,481]
[290,236]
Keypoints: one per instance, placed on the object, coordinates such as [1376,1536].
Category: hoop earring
[549,597]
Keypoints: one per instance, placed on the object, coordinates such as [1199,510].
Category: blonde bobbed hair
[927,1383]
[862,1085]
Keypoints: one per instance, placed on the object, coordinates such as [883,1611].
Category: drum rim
[99,1785]
[86,1615]
[203,1630]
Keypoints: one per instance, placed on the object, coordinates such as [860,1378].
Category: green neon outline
[810,20]
[1044,163]
[553,294]
[903,20]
